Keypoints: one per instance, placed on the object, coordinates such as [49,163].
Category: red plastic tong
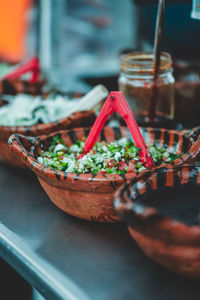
[33,66]
[117,102]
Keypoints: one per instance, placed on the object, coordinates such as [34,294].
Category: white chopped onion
[26,110]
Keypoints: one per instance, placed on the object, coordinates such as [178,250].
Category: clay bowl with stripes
[90,196]
[81,118]
[162,210]
[16,86]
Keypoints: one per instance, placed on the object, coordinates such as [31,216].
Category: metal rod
[156,59]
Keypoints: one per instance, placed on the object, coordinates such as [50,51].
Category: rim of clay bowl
[193,133]
[19,144]
[45,128]
[19,85]
[147,219]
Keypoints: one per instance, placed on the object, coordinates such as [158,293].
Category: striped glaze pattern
[192,133]
[85,195]
[16,86]
[175,142]
[170,243]
[161,177]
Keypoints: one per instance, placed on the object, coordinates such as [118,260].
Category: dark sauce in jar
[136,81]
[181,203]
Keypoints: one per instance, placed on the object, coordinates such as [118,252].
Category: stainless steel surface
[67,258]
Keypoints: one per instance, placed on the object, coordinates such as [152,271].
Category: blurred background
[79,42]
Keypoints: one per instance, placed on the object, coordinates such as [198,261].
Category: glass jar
[152,105]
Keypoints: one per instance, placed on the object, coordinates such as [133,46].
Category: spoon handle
[156,60]
[158,37]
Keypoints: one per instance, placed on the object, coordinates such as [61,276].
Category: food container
[81,114]
[136,81]
[90,196]
[16,86]
[15,78]
[162,210]
[82,118]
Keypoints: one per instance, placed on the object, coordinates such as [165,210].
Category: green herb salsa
[117,157]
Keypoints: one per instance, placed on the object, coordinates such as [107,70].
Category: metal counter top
[67,258]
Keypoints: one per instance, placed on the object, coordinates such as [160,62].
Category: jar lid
[143,62]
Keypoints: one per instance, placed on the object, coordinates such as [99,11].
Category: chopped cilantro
[113,158]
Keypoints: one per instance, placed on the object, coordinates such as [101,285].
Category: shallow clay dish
[162,210]
[85,195]
[83,118]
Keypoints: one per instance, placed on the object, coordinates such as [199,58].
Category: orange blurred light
[13,28]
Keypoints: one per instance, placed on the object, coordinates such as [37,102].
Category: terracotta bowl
[154,205]
[85,195]
[193,134]
[84,118]
[16,86]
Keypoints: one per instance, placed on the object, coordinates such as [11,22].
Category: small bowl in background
[162,210]
[83,113]
[81,118]
[21,86]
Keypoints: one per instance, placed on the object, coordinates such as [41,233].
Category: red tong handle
[117,102]
[32,65]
